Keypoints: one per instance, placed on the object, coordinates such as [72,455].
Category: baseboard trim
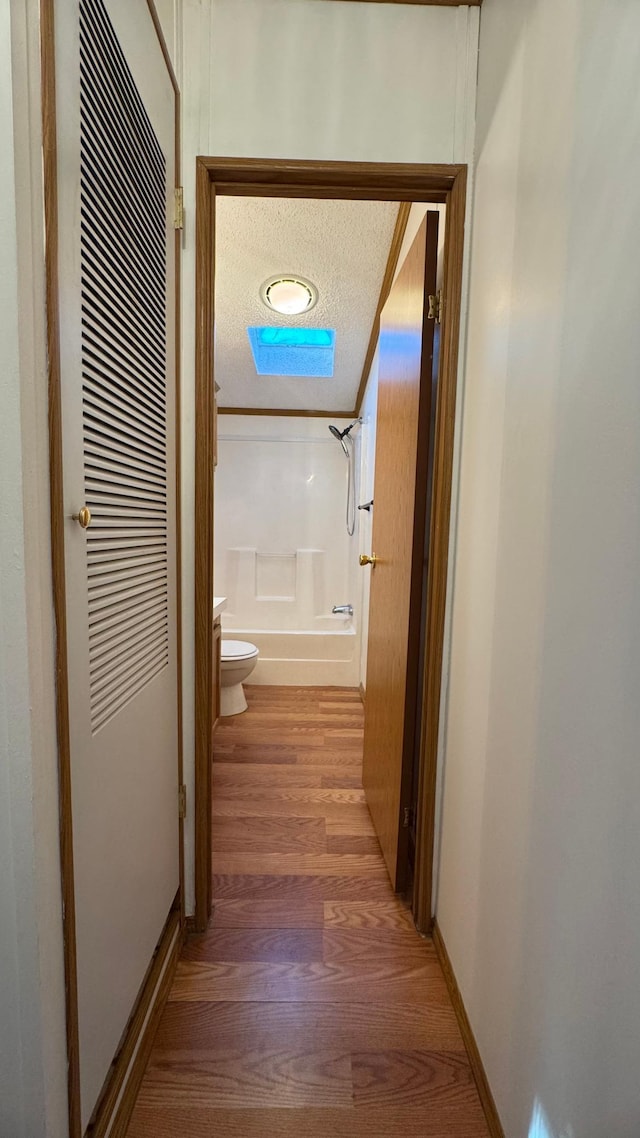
[115,1105]
[477,1067]
[362,691]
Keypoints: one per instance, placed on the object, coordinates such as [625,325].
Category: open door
[115,514]
[399,516]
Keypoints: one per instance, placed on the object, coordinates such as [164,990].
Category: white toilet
[238,658]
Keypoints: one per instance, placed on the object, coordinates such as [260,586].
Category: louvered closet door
[115,123]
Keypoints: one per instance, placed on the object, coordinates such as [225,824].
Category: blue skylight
[293,351]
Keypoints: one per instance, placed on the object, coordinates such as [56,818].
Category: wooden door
[399,512]
[116,292]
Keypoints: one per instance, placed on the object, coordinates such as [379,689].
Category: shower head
[341,435]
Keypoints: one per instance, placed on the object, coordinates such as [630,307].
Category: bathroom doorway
[390,186]
[291,355]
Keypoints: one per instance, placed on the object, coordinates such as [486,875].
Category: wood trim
[153,12]
[301,414]
[122,1084]
[477,1066]
[364,181]
[50,178]
[50,183]
[178,452]
[352,180]
[439,551]
[204,473]
[362,690]
[426,3]
[404,209]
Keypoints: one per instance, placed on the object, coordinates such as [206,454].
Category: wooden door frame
[377,181]
[121,1075]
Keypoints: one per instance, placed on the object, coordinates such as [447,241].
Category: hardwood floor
[311,1008]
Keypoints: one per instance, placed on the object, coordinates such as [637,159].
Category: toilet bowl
[238,658]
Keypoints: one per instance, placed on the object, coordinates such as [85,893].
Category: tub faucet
[343,610]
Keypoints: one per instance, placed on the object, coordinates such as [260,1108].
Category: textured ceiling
[342,247]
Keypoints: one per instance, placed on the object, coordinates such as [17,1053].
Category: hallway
[311,1007]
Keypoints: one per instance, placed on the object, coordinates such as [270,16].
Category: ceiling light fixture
[290,296]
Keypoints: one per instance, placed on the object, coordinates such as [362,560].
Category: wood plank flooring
[311,1008]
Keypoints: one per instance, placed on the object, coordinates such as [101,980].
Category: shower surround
[282,555]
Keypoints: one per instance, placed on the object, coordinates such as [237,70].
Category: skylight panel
[305,352]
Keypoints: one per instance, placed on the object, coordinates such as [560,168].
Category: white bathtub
[304,658]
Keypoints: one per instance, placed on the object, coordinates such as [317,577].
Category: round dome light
[289,295]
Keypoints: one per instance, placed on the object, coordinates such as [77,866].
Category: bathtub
[304,658]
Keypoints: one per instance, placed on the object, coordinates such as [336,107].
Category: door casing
[377,181]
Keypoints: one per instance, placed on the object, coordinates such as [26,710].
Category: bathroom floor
[311,1007]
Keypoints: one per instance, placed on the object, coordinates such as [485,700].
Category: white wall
[20,1040]
[32,1041]
[294,79]
[538,896]
[310,79]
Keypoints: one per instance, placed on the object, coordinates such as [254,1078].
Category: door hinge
[178,208]
[182,802]
[407,817]
[435,306]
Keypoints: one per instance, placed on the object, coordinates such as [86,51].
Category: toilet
[238,658]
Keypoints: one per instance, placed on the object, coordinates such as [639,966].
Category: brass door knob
[366,560]
[83,517]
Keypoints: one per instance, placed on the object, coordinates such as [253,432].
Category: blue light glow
[297,337]
[539,1126]
[293,351]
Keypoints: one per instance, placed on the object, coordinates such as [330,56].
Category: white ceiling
[342,247]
